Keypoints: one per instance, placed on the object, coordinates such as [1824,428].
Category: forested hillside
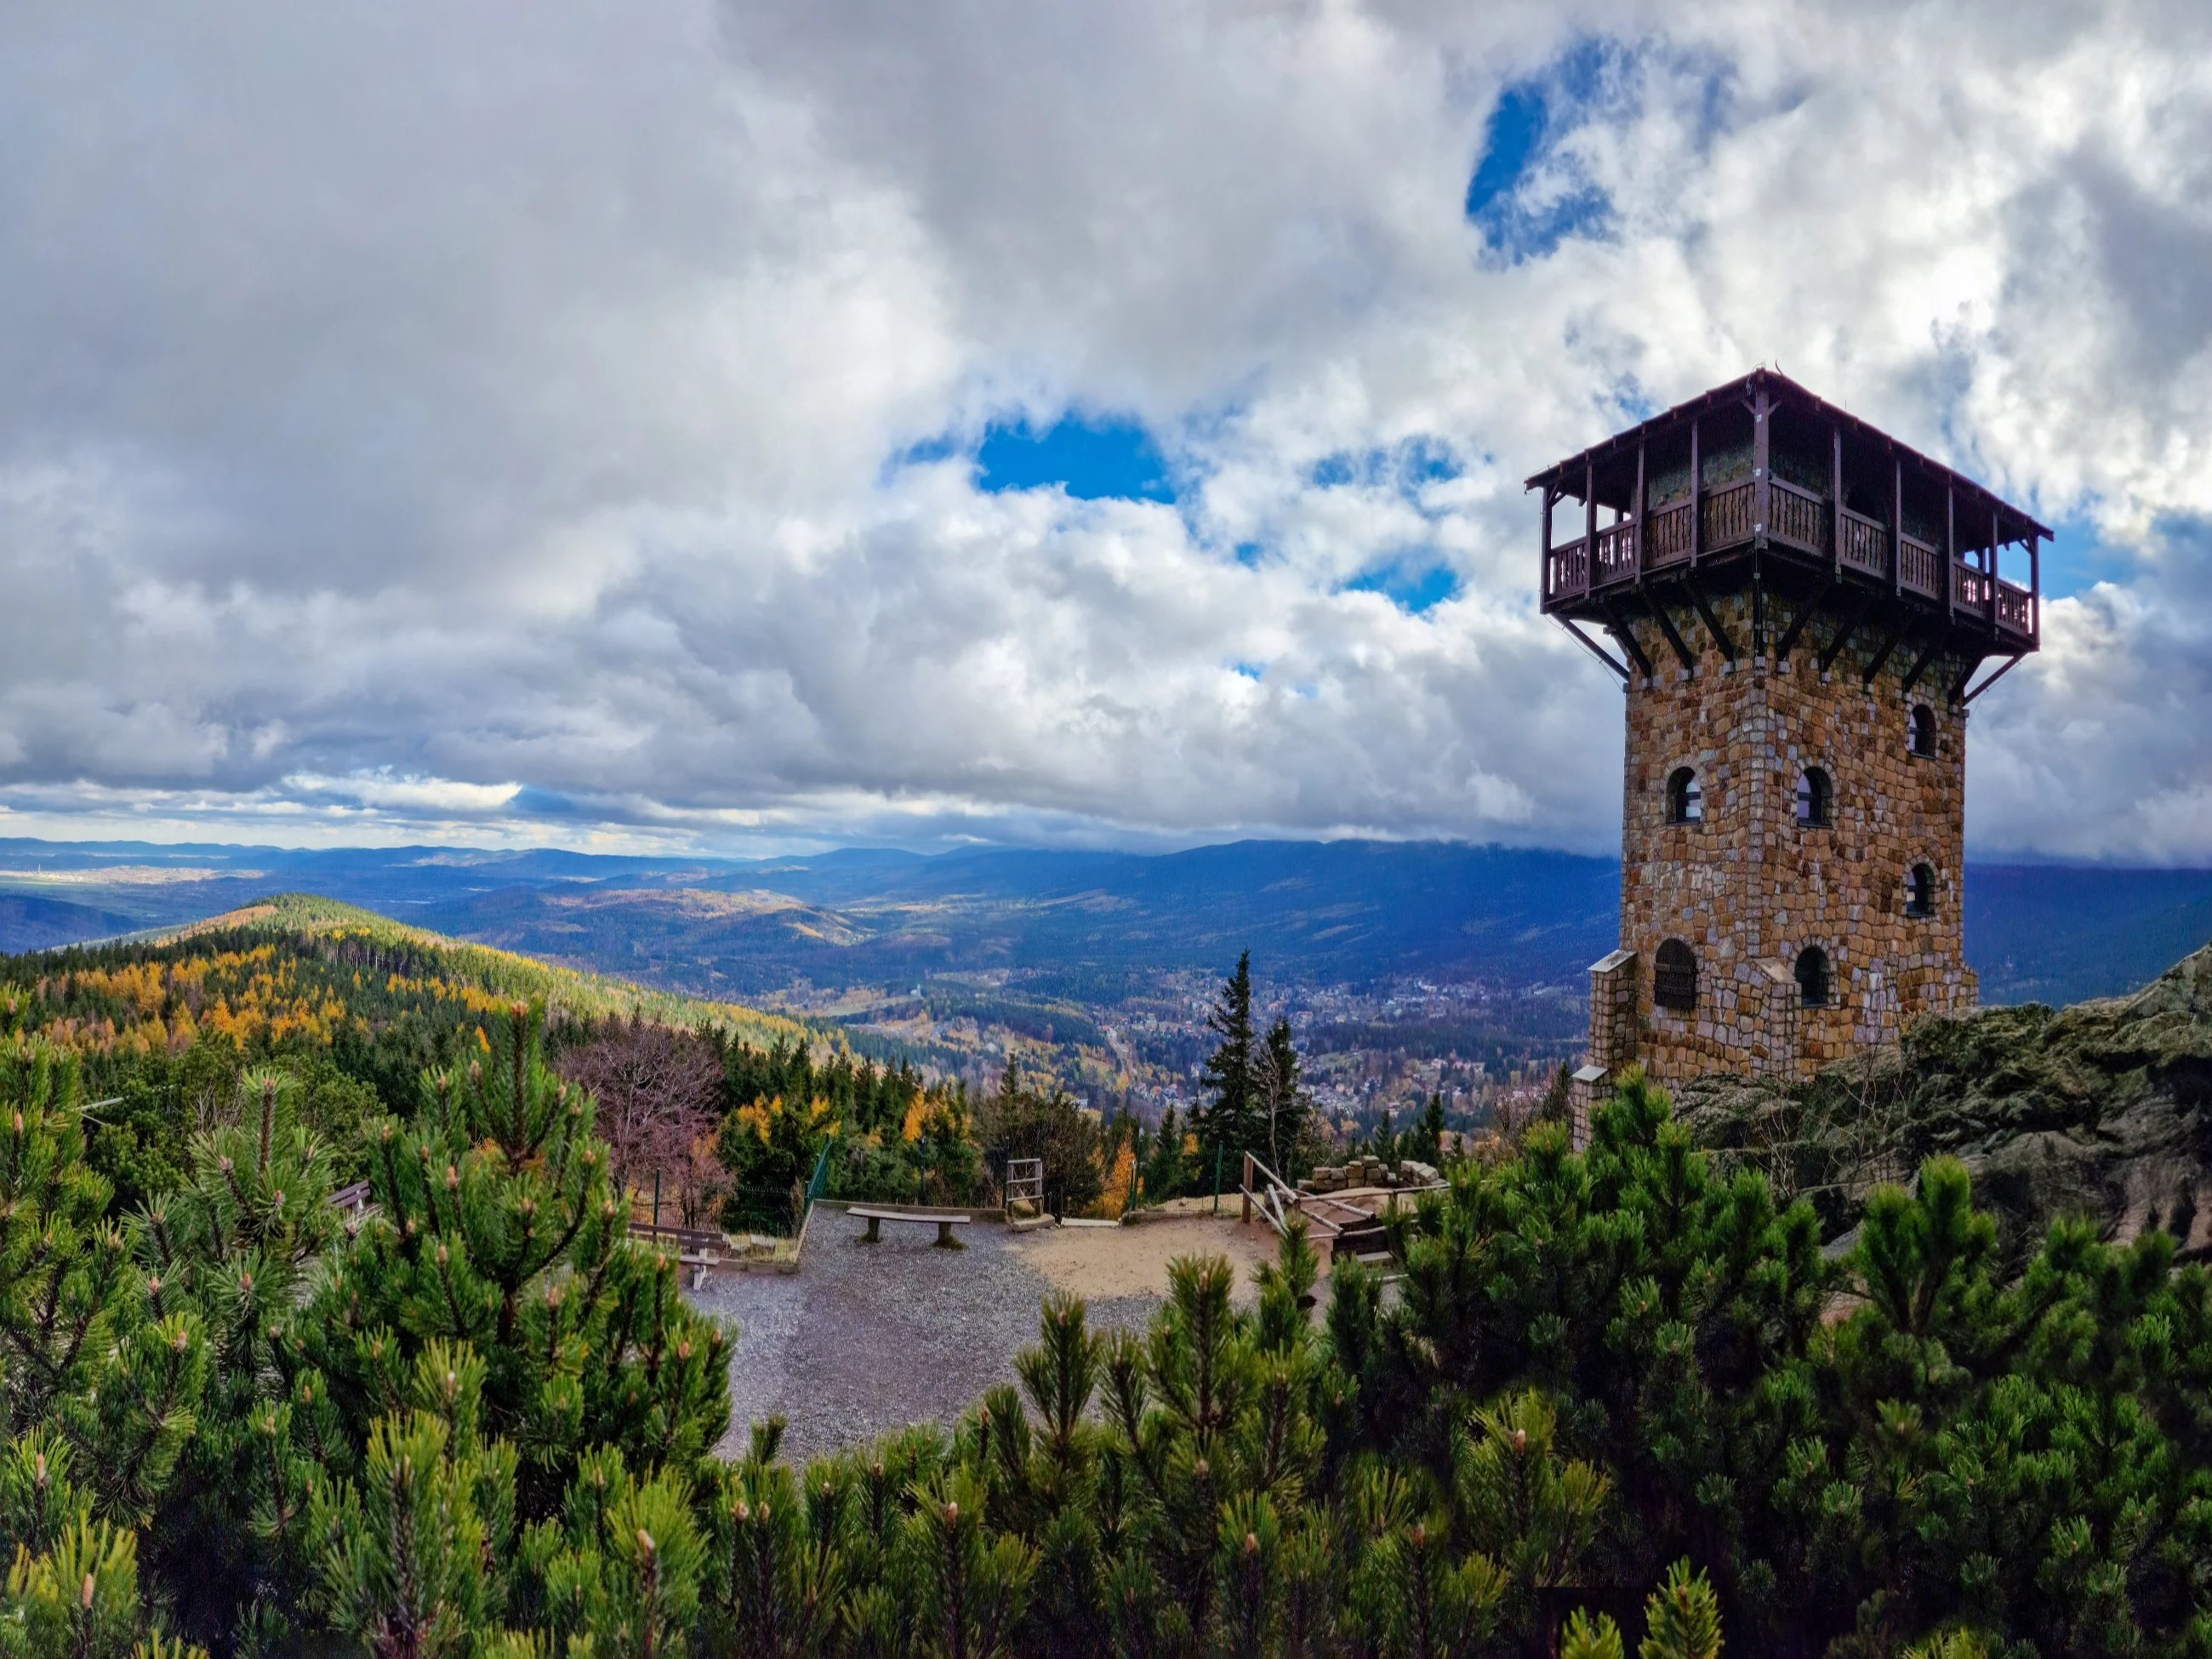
[348,1007]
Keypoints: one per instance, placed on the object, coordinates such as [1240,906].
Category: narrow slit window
[1920,892]
[1813,977]
[1815,798]
[1685,803]
[1924,731]
[1675,977]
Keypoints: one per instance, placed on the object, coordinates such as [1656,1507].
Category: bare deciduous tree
[658,1092]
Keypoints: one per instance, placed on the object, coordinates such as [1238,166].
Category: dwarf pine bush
[1617,1402]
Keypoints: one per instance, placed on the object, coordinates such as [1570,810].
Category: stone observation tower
[1798,605]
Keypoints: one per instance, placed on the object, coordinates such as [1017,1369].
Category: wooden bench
[697,1249]
[875,1219]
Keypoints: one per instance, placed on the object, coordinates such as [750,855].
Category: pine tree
[1228,1124]
[497,1226]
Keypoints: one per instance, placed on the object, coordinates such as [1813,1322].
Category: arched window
[1684,804]
[1920,892]
[1813,977]
[1924,730]
[1675,977]
[1816,799]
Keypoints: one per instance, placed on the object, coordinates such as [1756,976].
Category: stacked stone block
[1747,888]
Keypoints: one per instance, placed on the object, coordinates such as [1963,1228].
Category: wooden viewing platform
[1761,482]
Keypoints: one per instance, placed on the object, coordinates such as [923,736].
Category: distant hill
[1308,911]
[2060,934]
[306,966]
[1075,923]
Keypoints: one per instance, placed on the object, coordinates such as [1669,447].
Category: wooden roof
[1567,477]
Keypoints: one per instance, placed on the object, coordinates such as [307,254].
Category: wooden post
[1638,531]
[1950,550]
[1697,498]
[1762,457]
[1590,519]
[1835,503]
[1544,544]
[2035,591]
[1246,1216]
[1992,572]
[1896,525]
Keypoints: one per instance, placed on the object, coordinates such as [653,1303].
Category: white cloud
[418,420]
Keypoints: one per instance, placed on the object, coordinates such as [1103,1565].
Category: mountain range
[1074,924]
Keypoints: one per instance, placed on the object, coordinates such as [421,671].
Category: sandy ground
[1098,1263]
[867,1338]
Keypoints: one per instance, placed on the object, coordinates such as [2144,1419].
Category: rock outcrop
[2104,1110]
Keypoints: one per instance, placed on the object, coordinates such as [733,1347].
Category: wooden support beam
[1758,609]
[1849,626]
[2011,663]
[1667,626]
[1813,602]
[1712,622]
[1920,664]
[1596,650]
[1882,656]
[1626,637]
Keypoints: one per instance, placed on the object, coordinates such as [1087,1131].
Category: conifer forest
[1632,1400]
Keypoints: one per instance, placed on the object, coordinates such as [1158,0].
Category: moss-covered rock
[2104,1110]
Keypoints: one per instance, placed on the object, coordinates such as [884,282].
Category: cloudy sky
[798,421]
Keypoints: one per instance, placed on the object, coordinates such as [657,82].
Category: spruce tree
[1431,1138]
[1165,1170]
[1228,1123]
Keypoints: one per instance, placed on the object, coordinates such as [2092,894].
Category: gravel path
[865,1338]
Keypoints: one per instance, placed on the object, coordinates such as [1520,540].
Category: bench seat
[875,1219]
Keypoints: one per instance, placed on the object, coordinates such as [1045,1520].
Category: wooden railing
[1970,589]
[1799,521]
[1923,569]
[1863,542]
[1616,553]
[1799,518]
[1668,539]
[1566,571]
[1728,518]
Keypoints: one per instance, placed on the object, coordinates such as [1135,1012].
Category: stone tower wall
[1747,888]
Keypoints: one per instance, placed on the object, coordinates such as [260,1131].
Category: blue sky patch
[1524,130]
[2073,561]
[1412,588]
[1108,457]
[1406,466]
